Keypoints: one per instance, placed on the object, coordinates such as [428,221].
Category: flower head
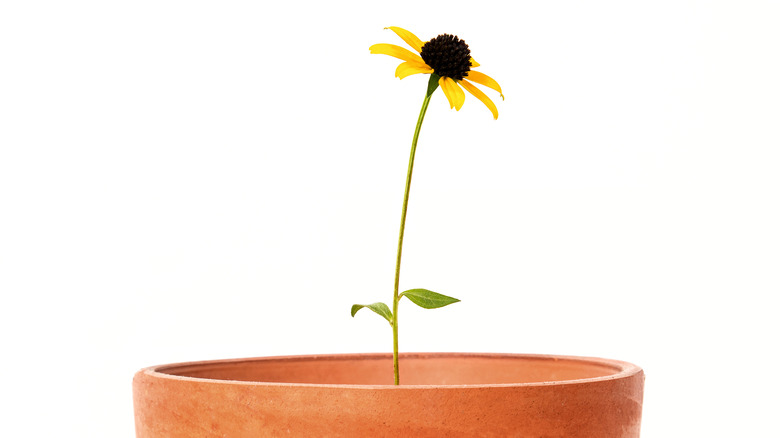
[445,56]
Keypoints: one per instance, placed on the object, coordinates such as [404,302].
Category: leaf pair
[422,297]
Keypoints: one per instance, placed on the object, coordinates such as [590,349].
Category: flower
[446,56]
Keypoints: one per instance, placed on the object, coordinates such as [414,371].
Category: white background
[187,180]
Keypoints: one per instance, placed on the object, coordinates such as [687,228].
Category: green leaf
[433,83]
[428,299]
[380,309]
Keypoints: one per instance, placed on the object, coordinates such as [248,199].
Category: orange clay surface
[351,395]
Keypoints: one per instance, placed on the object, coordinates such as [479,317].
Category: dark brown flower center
[448,56]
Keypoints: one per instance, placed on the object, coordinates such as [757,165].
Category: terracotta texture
[442,395]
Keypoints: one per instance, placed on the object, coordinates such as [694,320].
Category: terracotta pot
[442,395]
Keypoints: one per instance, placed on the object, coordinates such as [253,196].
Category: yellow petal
[409,37]
[481,96]
[455,95]
[443,84]
[485,80]
[474,63]
[411,68]
[395,51]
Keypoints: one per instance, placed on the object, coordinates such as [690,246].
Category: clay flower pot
[442,395]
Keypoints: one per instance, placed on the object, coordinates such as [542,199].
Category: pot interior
[416,369]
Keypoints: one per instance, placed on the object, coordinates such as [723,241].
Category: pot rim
[621,370]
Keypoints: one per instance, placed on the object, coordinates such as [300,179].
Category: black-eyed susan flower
[448,60]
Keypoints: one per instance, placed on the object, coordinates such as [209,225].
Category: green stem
[433,83]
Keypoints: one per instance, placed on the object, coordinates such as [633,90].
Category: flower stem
[433,83]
